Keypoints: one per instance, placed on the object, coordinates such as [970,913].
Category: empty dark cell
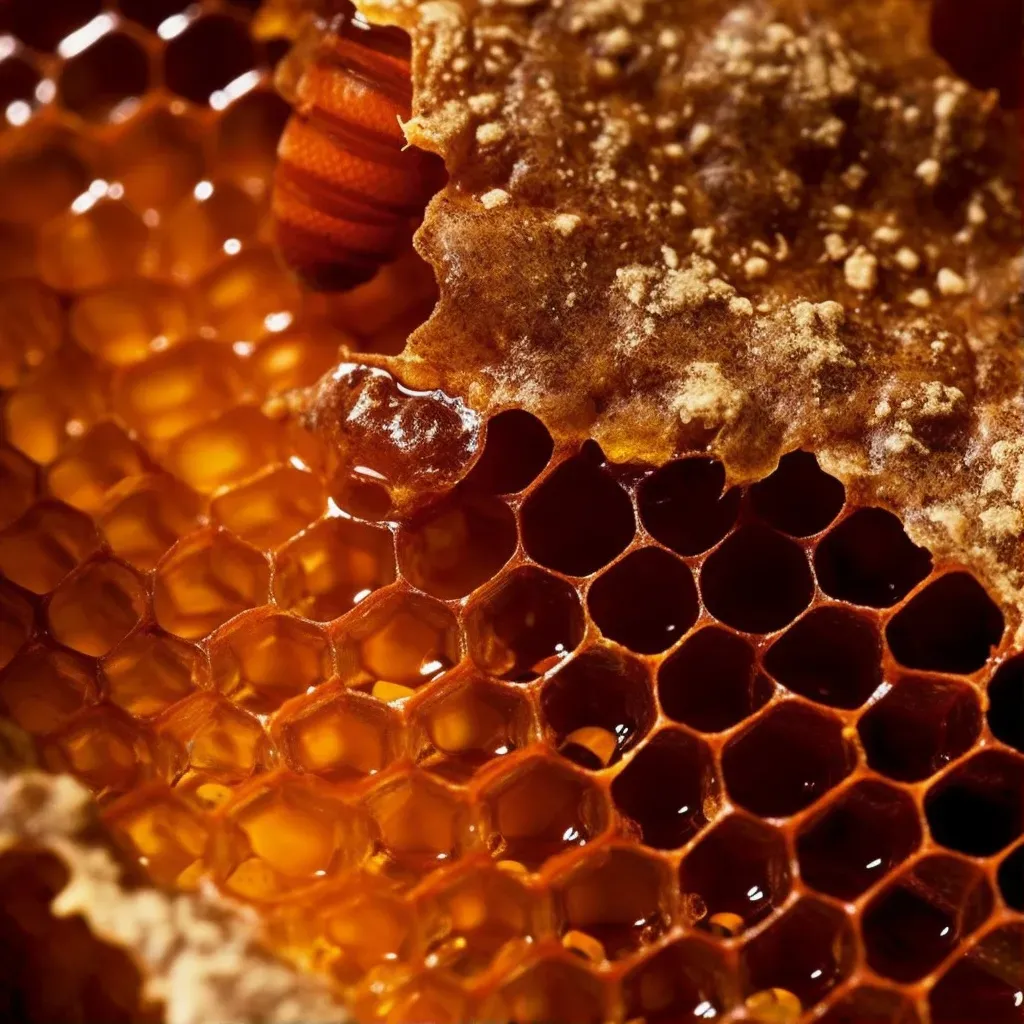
[807,951]
[799,498]
[919,726]
[1011,879]
[598,705]
[712,682]
[913,924]
[212,52]
[979,807]
[517,446]
[687,980]
[867,1005]
[869,559]
[664,787]
[757,581]
[579,518]
[646,602]
[786,760]
[683,505]
[984,986]
[832,655]
[152,13]
[42,25]
[858,839]
[111,72]
[457,544]
[1006,703]
[740,867]
[950,626]
[18,81]
[525,625]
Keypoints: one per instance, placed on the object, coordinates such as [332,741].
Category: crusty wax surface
[640,641]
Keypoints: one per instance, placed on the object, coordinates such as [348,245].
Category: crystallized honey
[553,739]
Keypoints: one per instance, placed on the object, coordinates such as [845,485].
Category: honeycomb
[567,741]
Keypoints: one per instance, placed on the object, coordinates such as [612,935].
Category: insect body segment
[346,187]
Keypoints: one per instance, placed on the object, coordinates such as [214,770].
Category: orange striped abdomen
[347,190]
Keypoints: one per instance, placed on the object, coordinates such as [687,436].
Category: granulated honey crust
[740,226]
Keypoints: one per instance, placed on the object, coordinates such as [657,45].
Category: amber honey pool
[526,733]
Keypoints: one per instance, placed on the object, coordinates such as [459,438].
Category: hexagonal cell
[524,624]
[985,984]
[684,505]
[668,790]
[467,722]
[598,706]
[919,726]
[286,831]
[831,655]
[952,625]
[174,390]
[579,518]
[618,896]
[208,734]
[331,567]
[429,997]
[296,357]
[59,399]
[157,157]
[205,580]
[396,643]
[978,808]
[32,327]
[338,733]
[105,80]
[92,464]
[799,498]
[689,978]
[205,227]
[44,545]
[857,839]
[868,1005]
[103,748]
[712,681]
[456,544]
[786,760]
[517,447]
[260,660]
[1011,878]
[211,53]
[247,136]
[143,517]
[758,581]
[1006,703]
[539,809]
[549,990]
[96,607]
[806,952]
[274,507]
[42,688]
[150,671]
[18,485]
[646,602]
[868,559]
[474,915]
[421,824]
[39,178]
[20,93]
[740,872]
[95,244]
[244,292]
[17,620]
[127,323]
[161,831]
[921,916]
